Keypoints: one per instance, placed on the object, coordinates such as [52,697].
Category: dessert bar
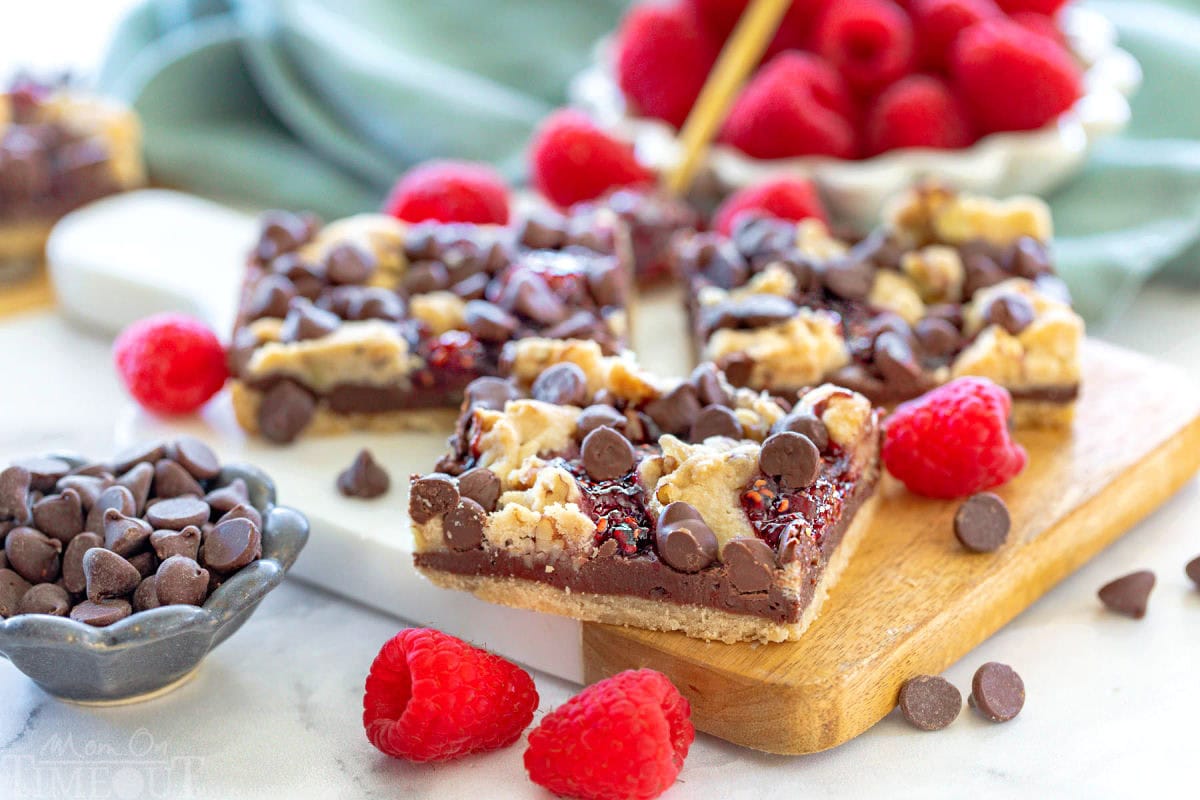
[372,323]
[582,485]
[949,285]
[59,149]
[652,219]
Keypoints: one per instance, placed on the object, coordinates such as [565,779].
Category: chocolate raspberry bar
[59,149]
[949,285]
[371,323]
[652,219]
[582,485]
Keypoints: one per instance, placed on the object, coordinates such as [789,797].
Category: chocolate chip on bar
[463,525]
[715,420]
[930,702]
[562,384]
[481,485]
[432,496]
[607,455]
[1128,595]
[751,563]
[364,477]
[997,692]
[981,523]
[684,541]
[792,458]
[285,411]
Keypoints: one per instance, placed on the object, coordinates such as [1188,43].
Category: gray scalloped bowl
[150,652]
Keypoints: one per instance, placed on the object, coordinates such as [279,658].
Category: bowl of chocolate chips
[118,577]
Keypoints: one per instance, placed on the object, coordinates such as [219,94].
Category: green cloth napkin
[320,103]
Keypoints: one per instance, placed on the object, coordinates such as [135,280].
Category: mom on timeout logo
[68,768]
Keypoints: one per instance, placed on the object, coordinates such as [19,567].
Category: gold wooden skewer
[738,58]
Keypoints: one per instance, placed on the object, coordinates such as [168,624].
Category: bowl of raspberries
[867,96]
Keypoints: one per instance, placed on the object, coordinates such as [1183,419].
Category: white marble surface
[275,711]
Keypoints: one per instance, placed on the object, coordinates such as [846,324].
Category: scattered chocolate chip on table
[997,692]
[1128,595]
[930,702]
[981,523]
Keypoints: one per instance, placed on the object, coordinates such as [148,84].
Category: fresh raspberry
[954,440]
[450,191]
[572,160]
[916,111]
[1047,7]
[662,60]
[870,42]
[937,23]
[783,198]
[624,738]
[1012,79]
[795,105]
[170,363]
[1040,23]
[432,697]
[719,17]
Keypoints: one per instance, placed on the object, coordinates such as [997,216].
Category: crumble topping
[379,234]
[369,352]
[894,292]
[934,213]
[814,240]
[525,429]
[441,311]
[936,271]
[711,476]
[798,352]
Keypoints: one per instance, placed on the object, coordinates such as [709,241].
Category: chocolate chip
[143,452]
[431,497]
[754,311]
[791,457]
[606,454]
[751,564]
[806,424]
[490,393]
[347,263]
[137,480]
[488,322]
[424,277]
[286,410]
[677,512]
[472,288]
[101,614]
[172,480]
[364,477]
[848,278]
[894,358]
[197,458]
[562,384]
[108,574]
[687,545]
[1128,595]
[981,523]
[1193,571]
[232,544]
[543,231]
[12,588]
[1028,258]
[856,378]
[979,272]
[997,692]
[929,702]
[227,497]
[124,534]
[14,494]
[580,325]
[272,297]
[144,562]
[463,525]
[72,561]
[167,543]
[43,472]
[114,497]
[481,485]
[738,368]
[145,597]
[181,581]
[595,416]
[177,513]
[528,294]
[33,555]
[243,511]
[376,303]
[281,232]
[45,598]
[715,421]
[710,390]
[675,411]
[59,515]
[88,487]
[937,337]
[305,321]
[1012,312]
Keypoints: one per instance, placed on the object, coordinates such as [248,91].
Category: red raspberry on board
[953,441]
[1012,79]
[870,42]
[795,105]
[1040,23]
[432,697]
[662,60]
[783,198]
[572,160]
[450,191]
[916,111]
[170,363]
[937,23]
[1047,7]
[624,738]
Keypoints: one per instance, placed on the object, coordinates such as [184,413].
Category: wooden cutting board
[912,600]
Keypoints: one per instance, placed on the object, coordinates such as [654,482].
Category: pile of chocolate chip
[101,541]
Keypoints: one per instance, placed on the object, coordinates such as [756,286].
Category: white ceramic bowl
[1031,162]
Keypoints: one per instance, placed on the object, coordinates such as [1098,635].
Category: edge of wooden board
[766,707]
